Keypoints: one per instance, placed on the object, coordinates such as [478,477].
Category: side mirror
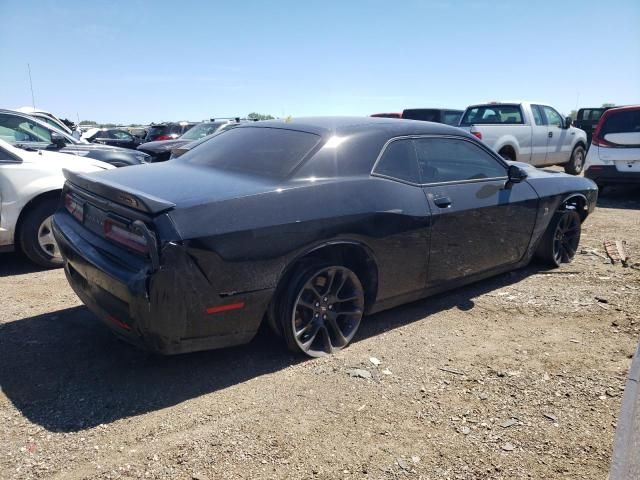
[567,122]
[515,174]
[58,140]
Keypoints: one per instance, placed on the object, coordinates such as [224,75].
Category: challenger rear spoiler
[112,191]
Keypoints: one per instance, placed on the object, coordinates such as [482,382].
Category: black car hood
[162,145]
[183,185]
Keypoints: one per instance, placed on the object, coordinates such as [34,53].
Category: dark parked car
[438,115]
[182,149]
[112,136]
[387,115]
[309,223]
[160,150]
[587,119]
[25,131]
[167,131]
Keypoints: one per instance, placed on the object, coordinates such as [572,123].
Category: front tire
[561,239]
[576,163]
[321,309]
[36,237]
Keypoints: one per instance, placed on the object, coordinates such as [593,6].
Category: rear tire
[561,239]
[576,163]
[508,154]
[36,238]
[320,310]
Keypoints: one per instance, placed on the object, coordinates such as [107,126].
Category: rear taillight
[121,234]
[74,207]
[595,136]
[164,137]
[477,134]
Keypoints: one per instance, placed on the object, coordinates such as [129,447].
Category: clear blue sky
[136,61]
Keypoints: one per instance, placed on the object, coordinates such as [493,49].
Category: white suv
[614,155]
[30,186]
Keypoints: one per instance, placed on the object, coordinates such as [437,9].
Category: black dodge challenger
[308,224]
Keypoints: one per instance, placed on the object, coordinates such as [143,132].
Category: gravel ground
[520,376]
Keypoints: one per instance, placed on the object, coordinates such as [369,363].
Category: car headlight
[143,157]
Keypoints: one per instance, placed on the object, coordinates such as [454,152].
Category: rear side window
[492,114]
[399,161]
[625,121]
[263,151]
[452,160]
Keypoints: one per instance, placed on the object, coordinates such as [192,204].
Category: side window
[537,114]
[553,117]
[120,135]
[451,160]
[7,157]
[399,161]
[17,129]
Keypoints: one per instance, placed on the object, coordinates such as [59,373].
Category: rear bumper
[607,174]
[163,311]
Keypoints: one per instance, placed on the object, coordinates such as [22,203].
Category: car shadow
[66,372]
[620,196]
[16,264]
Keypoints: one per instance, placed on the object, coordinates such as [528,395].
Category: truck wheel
[576,163]
[36,238]
[508,154]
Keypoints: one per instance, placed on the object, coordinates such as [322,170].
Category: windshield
[492,114]
[201,130]
[264,151]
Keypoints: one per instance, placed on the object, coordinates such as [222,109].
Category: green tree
[573,114]
[259,116]
[608,105]
[88,122]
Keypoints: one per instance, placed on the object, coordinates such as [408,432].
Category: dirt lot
[520,376]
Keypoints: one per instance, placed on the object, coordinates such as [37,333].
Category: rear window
[156,130]
[625,121]
[201,130]
[451,118]
[264,151]
[592,114]
[424,114]
[492,114]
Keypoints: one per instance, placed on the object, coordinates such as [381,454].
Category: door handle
[442,202]
[550,134]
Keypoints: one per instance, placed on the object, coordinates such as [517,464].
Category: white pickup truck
[528,132]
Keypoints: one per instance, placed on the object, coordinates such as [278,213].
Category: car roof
[337,125]
[622,108]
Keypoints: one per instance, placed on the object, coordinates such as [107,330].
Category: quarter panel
[246,243]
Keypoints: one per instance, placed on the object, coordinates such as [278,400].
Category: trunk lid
[156,188]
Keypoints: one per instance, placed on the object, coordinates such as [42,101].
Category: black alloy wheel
[566,237]
[559,243]
[326,311]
